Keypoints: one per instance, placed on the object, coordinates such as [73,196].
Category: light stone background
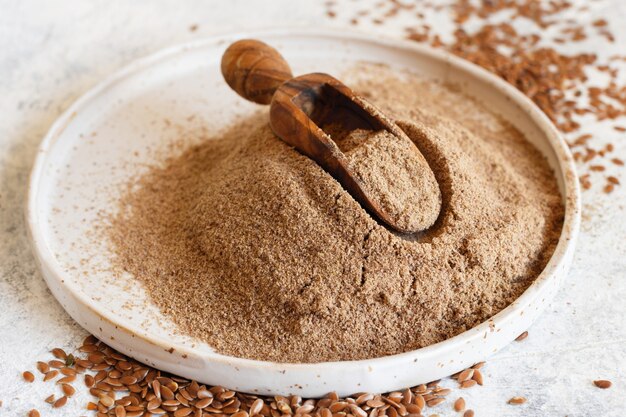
[53,51]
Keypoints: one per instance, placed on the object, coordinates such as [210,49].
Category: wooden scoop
[300,106]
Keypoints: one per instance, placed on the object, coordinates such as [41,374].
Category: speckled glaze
[108,134]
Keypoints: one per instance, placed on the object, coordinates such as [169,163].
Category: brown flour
[251,247]
[390,168]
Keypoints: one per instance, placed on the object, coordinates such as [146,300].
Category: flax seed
[435,401]
[182,412]
[419,401]
[375,403]
[255,408]
[88,348]
[521,337]
[468,384]
[100,376]
[68,371]
[153,404]
[459,404]
[68,390]
[50,374]
[478,377]
[60,402]
[465,375]
[120,411]
[602,383]
[517,400]
[166,393]
[43,367]
[106,401]
[66,380]
[325,412]
[28,376]
[59,353]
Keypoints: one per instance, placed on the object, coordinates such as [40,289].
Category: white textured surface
[51,52]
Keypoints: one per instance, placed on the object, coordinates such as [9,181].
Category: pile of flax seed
[123,387]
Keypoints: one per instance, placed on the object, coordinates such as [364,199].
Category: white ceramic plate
[103,139]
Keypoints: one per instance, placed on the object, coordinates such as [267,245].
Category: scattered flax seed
[43,367]
[59,353]
[581,140]
[419,401]
[468,384]
[517,400]
[585,182]
[459,404]
[602,383]
[106,401]
[68,371]
[126,388]
[68,390]
[521,337]
[478,377]
[121,411]
[51,374]
[555,81]
[608,189]
[28,376]
[60,402]
[435,401]
[613,180]
[66,380]
[56,364]
[469,413]
[600,23]
[89,381]
[465,375]
[33,413]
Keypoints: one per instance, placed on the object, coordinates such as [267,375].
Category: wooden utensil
[300,105]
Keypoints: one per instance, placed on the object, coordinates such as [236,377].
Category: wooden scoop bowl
[300,105]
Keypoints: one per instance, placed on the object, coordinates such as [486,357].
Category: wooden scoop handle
[254,70]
